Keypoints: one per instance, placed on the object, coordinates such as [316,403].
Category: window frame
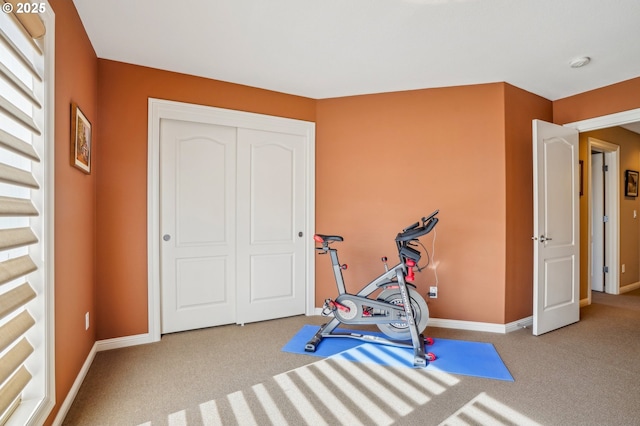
[35,407]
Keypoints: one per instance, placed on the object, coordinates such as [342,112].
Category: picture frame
[80,140]
[631,183]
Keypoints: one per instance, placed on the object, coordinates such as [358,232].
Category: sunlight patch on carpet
[340,391]
[485,410]
[331,391]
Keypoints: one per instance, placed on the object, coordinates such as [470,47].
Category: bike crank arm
[361,310]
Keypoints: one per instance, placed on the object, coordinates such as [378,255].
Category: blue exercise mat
[476,359]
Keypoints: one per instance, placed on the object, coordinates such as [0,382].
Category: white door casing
[597,222]
[612,202]
[160,110]
[198,223]
[556,238]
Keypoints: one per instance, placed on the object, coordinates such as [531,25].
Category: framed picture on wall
[631,183]
[80,140]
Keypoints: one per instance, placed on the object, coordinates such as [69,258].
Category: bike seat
[326,238]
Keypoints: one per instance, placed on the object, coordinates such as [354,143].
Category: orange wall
[382,162]
[618,97]
[521,108]
[385,160]
[76,74]
[121,280]
[473,143]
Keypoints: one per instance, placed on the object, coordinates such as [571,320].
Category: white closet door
[271,220]
[198,225]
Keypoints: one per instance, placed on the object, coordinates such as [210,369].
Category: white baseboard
[71,396]
[630,287]
[481,326]
[521,323]
[123,342]
[101,345]
[473,325]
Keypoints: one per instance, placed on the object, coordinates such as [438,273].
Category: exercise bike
[398,310]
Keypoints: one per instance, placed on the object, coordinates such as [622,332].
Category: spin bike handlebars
[409,233]
[408,255]
[415,231]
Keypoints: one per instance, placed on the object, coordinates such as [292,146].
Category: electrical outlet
[433,292]
[86,321]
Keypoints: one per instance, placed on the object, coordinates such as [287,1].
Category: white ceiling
[634,127]
[331,48]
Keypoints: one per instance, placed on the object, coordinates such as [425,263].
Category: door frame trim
[159,109]
[610,120]
[612,239]
[603,122]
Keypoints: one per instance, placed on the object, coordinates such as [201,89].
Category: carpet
[476,359]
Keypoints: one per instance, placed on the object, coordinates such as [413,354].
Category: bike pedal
[328,308]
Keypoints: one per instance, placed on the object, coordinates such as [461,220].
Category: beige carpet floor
[584,374]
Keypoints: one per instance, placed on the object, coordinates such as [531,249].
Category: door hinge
[605,269]
[605,168]
[605,219]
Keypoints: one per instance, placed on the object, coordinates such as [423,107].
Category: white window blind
[26,221]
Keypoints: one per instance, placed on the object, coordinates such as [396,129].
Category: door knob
[166,237]
[543,238]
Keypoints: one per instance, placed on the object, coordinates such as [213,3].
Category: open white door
[556,219]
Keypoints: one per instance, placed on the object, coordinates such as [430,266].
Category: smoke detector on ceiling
[580,62]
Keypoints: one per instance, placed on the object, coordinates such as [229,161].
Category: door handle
[543,238]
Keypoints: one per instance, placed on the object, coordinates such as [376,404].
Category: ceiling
[333,48]
[634,127]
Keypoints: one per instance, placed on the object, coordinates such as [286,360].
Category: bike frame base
[326,331]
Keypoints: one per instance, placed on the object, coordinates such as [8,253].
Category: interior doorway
[604,202]
[596,123]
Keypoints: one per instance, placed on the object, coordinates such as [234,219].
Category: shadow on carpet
[476,359]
